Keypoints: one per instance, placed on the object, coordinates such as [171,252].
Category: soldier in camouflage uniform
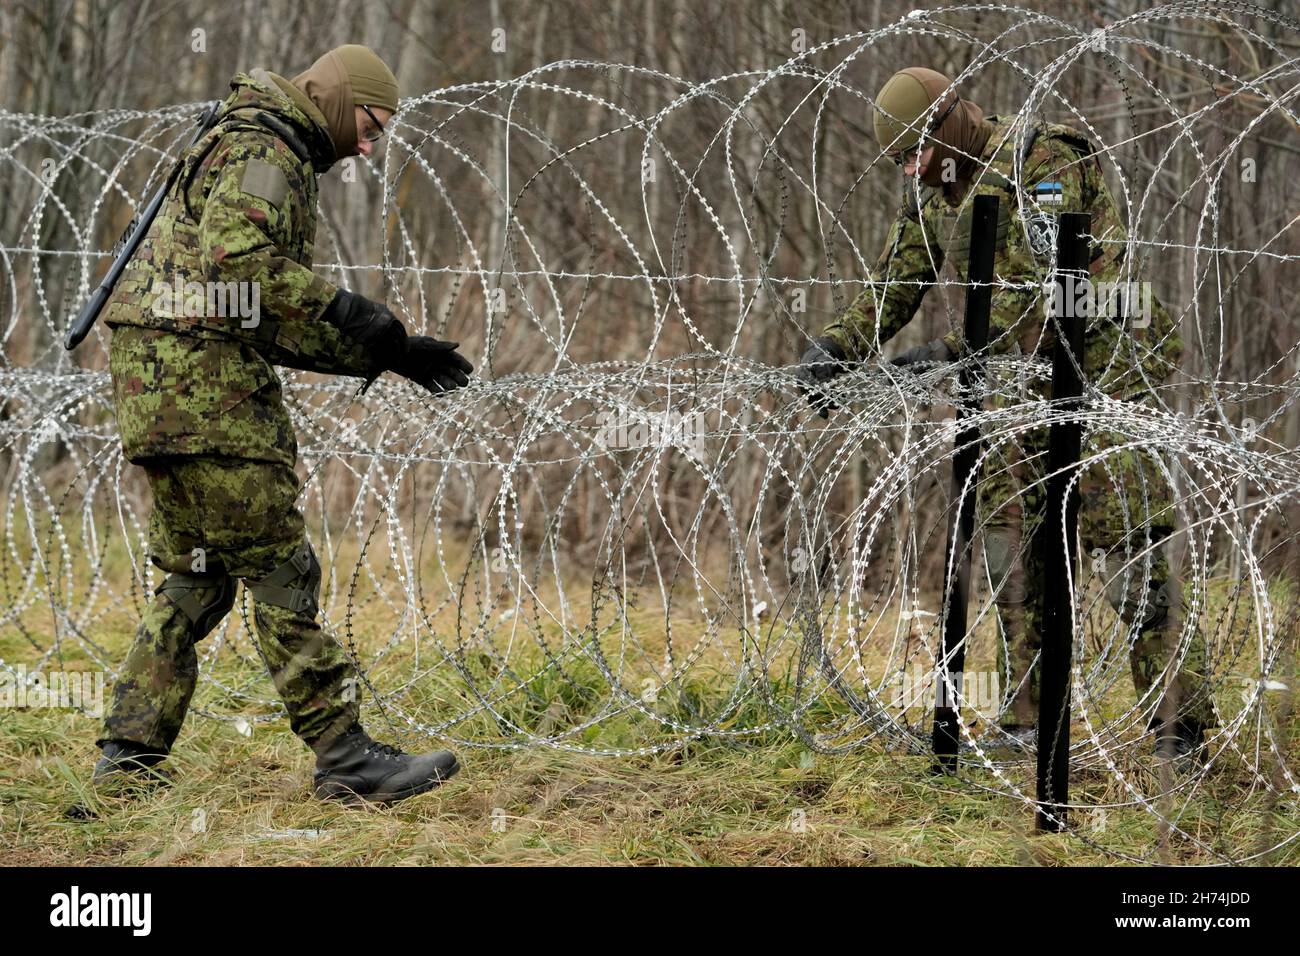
[1126,514]
[200,408]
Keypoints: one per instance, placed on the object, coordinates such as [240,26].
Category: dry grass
[768,800]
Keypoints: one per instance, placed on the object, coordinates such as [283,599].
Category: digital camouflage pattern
[1125,517]
[199,405]
[1127,358]
[240,516]
[213,390]
[929,232]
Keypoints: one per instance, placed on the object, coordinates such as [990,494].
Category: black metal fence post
[1062,512]
[979,297]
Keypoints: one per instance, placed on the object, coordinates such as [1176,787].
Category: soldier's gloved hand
[823,360]
[935,352]
[433,364]
[369,324]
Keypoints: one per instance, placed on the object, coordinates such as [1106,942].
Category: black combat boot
[355,768]
[121,760]
[1183,745]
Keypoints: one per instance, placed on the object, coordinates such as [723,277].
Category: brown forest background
[66,58]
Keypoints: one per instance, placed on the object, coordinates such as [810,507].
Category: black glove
[370,325]
[433,364]
[935,352]
[823,360]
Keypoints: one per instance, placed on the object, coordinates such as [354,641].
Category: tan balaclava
[341,80]
[904,112]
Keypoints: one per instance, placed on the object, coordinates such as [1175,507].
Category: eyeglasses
[901,158]
[378,131]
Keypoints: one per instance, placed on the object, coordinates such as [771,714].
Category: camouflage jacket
[1059,173]
[192,363]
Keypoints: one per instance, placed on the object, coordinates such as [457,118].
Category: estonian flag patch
[1049,193]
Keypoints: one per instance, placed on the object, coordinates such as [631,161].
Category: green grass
[241,801]
[761,800]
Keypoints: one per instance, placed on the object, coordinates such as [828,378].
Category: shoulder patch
[265,181]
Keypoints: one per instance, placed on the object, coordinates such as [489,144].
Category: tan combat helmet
[918,106]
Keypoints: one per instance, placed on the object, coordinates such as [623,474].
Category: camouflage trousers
[216,520]
[1126,515]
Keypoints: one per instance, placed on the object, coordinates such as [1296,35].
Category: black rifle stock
[95,304]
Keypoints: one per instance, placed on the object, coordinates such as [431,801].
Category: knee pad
[204,598]
[1126,597]
[294,585]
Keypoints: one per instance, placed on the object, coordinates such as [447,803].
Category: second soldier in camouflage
[951,153]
